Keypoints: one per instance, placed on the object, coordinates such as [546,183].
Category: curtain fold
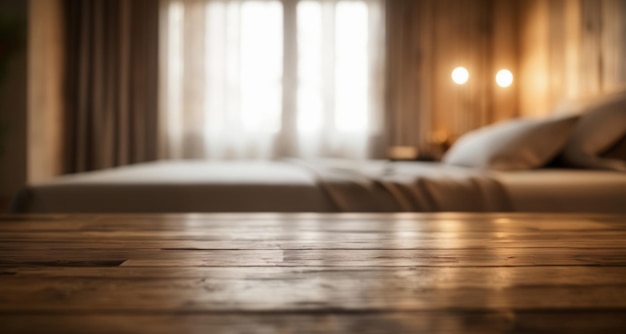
[408,81]
[264,79]
[111,82]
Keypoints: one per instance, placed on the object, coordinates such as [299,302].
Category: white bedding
[324,186]
[381,186]
[180,186]
[566,190]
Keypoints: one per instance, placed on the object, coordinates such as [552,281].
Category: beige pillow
[601,127]
[512,145]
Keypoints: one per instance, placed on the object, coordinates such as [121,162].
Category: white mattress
[180,186]
[565,190]
[324,186]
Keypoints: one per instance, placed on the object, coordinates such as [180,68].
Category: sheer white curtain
[262,79]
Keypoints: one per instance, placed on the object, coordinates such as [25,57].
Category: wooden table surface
[309,273]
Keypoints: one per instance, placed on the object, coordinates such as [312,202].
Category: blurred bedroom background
[92,84]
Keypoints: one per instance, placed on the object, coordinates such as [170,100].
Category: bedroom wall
[570,49]
[45,90]
[30,98]
[427,39]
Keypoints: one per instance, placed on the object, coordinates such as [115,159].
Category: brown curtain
[407,93]
[111,82]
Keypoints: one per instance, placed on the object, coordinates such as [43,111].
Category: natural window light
[351,66]
[231,75]
[244,59]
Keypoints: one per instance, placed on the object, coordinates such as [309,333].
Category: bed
[325,186]
[503,167]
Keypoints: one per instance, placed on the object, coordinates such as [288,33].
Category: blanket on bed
[406,187]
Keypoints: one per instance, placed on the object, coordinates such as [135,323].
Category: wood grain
[426,40]
[310,273]
[364,322]
[569,50]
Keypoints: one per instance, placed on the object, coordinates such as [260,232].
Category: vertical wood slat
[613,47]
[585,48]
[621,26]
[504,55]
[572,31]
[590,65]
[426,74]
[413,53]
[463,39]
[556,49]
[403,45]
[533,76]
[446,55]
[484,35]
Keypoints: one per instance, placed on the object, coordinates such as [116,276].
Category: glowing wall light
[460,75]
[504,78]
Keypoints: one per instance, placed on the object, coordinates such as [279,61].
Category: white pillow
[512,145]
[602,126]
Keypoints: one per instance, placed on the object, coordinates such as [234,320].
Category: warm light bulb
[504,78]
[460,75]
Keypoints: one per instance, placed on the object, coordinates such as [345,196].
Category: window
[267,78]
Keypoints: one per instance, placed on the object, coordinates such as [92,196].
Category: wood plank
[583,321]
[450,277]
[309,291]
[313,273]
[304,258]
[435,216]
[294,234]
[373,223]
[68,296]
[377,258]
[596,241]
